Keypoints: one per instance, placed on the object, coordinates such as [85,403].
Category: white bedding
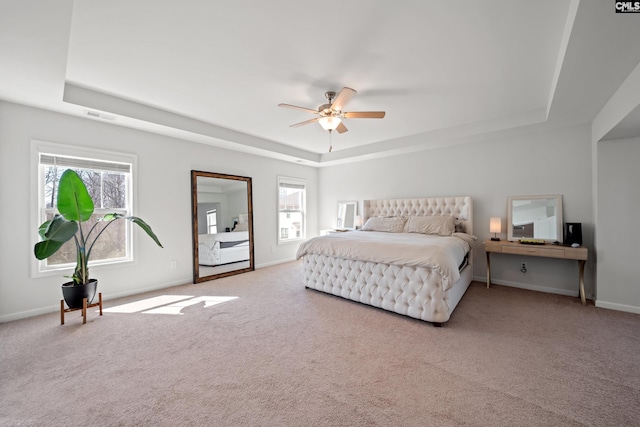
[211,252]
[233,236]
[439,253]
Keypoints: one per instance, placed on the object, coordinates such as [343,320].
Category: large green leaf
[54,233]
[145,227]
[42,230]
[74,201]
[60,230]
[135,220]
[46,248]
[111,216]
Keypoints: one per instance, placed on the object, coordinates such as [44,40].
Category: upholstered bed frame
[457,207]
[361,280]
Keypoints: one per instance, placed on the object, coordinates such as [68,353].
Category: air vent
[99,115]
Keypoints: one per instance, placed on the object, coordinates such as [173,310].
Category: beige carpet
[281,355]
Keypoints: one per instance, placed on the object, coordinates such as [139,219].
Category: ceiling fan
[330,115]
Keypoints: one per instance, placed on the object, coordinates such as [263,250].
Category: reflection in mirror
[535,217]
[222,225]
[347,212]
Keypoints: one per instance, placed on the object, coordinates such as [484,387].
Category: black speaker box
[573,233]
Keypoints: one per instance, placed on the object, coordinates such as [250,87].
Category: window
[292,199]
[212,222]
[110,185]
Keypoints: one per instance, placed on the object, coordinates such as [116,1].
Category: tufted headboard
[458,207]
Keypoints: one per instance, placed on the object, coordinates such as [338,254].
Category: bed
[223,248]
[412,257]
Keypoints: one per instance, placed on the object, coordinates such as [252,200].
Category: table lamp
[495,227]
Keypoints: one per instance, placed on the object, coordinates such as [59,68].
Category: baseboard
[56,307]
[618,307]
[280,261]
[147,289]
[529,287]
[30,313]
[482,279]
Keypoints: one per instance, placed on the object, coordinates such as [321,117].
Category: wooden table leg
[488,269]
[83,310]
[582,296]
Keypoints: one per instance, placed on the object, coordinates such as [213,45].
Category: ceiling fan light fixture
[330,115]
[329,122]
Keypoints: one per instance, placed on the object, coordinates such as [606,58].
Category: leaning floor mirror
[222,225]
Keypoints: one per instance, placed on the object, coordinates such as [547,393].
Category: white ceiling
[214,72]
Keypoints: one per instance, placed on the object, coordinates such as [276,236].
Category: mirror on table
[347,215]
[222,225]
[535,217]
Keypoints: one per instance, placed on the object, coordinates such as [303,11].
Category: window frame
[39,268]
[303,210]
[212,213]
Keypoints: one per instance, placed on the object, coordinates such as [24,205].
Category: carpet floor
[281,355]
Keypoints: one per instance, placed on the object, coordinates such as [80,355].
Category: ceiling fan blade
[364,115]
[295,107]
[306,122]
[341,128]
[343,97]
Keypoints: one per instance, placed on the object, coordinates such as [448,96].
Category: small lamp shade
[358,222]
[495,226]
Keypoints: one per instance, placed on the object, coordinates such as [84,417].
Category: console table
[547,250]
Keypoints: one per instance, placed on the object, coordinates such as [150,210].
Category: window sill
[66,272]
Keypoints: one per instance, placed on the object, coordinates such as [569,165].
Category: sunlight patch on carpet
[167,304]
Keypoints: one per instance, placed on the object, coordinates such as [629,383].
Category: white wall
[544,162]
[163,200]
[618,232]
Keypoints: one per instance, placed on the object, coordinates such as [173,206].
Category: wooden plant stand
[84,308]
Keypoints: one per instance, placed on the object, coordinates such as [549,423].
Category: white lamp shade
[329,122]
[495,225]
[358,222]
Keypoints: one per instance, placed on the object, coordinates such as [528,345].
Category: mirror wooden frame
[557,198]
[194,223]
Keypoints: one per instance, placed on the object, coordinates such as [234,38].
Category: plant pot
[74,294]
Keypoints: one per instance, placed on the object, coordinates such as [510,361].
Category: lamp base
[495,239]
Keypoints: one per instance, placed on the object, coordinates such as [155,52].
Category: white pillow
[439,225]
[389,225]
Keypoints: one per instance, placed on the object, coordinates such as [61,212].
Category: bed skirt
[411,291]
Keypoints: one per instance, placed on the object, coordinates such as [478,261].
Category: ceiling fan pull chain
[330,142]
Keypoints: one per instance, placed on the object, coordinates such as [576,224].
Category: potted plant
[75,207]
